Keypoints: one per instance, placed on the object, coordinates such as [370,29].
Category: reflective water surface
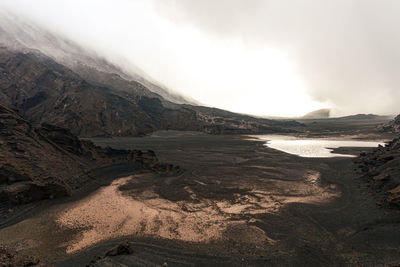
[313,148]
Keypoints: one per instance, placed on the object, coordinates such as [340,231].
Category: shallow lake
[313,147]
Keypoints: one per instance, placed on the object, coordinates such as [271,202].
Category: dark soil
[347,228]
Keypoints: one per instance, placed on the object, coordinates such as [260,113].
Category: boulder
[124,248]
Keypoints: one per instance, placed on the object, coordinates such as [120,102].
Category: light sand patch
[262,201]
[107,213]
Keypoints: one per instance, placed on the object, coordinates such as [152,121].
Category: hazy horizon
[265,58]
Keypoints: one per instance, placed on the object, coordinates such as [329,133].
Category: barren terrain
[236,202]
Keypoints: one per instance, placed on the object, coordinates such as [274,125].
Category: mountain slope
[18,34]
[46,92]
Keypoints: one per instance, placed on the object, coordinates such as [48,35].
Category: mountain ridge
[45,91]
[19,35]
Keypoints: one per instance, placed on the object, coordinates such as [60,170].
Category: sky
[261,57]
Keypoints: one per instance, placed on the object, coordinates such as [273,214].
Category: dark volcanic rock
[8,174]
[392,126]
[50,162]
[26,192]
[124,248]
[62,137]
[381,168]
[31,167]
[11,258]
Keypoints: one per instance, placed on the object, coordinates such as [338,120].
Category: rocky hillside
[47,162]
[381,168]
[44,91]
[19,34]
[392,126]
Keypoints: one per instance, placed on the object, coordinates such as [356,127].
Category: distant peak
[318,114]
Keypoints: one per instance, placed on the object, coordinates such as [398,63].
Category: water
[312,147]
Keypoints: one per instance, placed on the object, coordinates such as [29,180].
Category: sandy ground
[147,214]
[237,203]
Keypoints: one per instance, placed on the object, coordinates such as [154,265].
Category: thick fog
[265,57]
[347,51]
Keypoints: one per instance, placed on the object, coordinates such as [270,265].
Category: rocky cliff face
[381,168]
[392,126]
[47,162]
[44,91]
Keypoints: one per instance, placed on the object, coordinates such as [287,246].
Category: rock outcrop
[49,162]
[11,258]
[124,248]
[381,168]
[391,127]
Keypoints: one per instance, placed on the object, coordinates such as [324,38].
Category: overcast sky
[264,57]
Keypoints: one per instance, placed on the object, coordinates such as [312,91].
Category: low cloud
[260,56]
[347,51]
